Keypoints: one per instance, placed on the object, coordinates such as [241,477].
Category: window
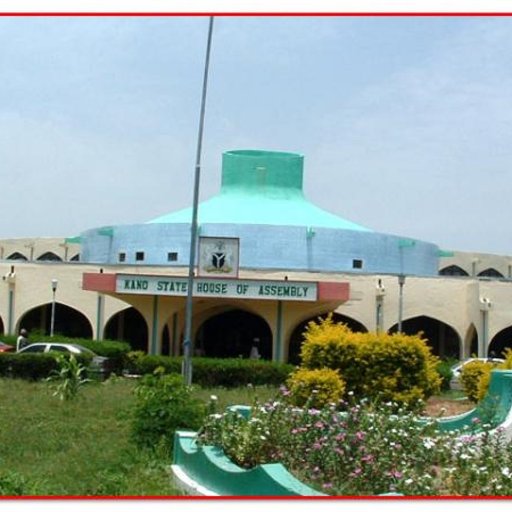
[49,256]
[172,256]
[139,256]
[490,272]
[34,348]
[58,348]
[121,257]
[357,263]
[453,270]
[17,256]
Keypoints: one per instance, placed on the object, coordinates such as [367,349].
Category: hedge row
[206,372]
[209,372]
[30,366]
[116,351]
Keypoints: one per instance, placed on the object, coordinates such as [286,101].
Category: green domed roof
[261,187]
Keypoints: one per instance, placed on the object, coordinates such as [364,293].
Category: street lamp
[54,290]
[401,282]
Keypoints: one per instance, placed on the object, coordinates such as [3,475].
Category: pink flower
[360,435]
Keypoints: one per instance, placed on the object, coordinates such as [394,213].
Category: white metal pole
[187,343]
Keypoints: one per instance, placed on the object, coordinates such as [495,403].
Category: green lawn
[83,447]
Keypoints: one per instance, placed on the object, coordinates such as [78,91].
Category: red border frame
[260,14]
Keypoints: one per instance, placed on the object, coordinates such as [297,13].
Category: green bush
[471,375]
[27,366]
[444,369]
[483,384]
[10,339]
[317,388]
[164,405]
[394,367]
[210,372]
[32,366]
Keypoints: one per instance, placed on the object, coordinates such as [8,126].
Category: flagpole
[188,343]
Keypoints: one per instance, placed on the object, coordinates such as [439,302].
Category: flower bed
[205,470]
[372,449]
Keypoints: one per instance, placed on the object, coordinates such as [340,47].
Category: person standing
[255,352]
[22,340]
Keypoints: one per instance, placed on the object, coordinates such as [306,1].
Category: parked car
[98,364]
[4,347]
[457,369]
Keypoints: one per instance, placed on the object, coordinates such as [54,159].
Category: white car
[98,363]
[457,369]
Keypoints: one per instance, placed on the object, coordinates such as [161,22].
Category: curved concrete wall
[268,247]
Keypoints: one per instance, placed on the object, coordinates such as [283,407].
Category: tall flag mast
[187,343]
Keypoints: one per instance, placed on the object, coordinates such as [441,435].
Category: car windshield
[83,350]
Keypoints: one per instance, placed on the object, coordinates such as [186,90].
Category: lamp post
[401,282]
[52,321]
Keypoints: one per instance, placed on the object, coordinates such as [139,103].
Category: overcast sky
[405,122]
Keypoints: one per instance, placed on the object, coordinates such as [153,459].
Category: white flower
[506,472]
[428,443]
[213,398]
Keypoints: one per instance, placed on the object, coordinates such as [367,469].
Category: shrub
[391,367]
[471,375]
[140,363]
[317,388]
[483,383]
[27,366]
[210,372]
[444,369]
[164,404]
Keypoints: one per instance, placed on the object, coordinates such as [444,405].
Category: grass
[83,447]
[78,448]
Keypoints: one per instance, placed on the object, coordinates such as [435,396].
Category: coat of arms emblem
[218,256]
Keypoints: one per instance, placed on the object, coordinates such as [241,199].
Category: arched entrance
[231,334]
[128,325]
[297,337]
[471,342]
[443,339]
[166,342]
[68,321]
[1,326]
[500,342]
